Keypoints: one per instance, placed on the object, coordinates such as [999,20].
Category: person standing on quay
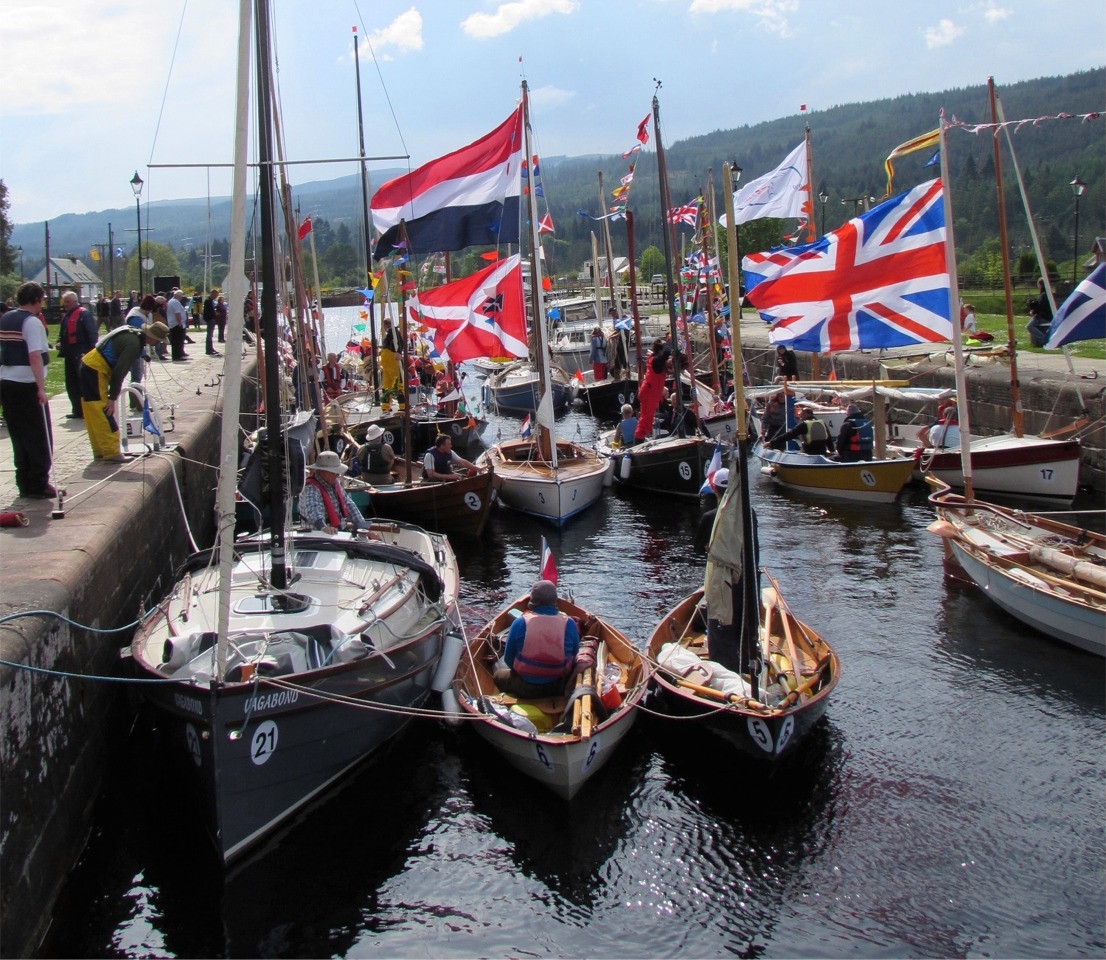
[209,320]
[77,336]
[102,371]
[176,319]
[23,345]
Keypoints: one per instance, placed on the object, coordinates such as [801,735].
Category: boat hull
[516,388]
[533,486]
[459,507]
[866,481]
[1026,468]
[671,465]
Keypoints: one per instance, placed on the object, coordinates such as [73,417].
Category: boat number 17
[263,743]
[1046,473]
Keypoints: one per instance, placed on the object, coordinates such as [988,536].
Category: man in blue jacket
[541,648]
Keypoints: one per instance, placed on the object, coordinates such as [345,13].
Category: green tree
[7,255]
[652,262]
[165,264]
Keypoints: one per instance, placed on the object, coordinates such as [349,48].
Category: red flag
[409,285]
[545,224]
[802,108]
[546,283]
[642,133]
[490,255]
[305,227]
[482,315]
[548,564]
[578,375]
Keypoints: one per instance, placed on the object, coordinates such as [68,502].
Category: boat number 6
[193,739]
[760,733]
[264,742]
[867,478]
[593,750]
[542,756]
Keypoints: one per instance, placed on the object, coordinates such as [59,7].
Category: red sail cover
[482,315]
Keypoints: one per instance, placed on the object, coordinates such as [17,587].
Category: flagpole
[365,218]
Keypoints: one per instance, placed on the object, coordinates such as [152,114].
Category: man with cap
[856,438]
[376,456]
[811,433]
[323,502]
[101,378]
[541,648]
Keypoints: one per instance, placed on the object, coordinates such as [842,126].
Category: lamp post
[1077,187]
[823,196]
[735,174]
[856,202]
[136,186]
[20,249]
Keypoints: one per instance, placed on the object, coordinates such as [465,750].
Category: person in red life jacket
[541,648]
[334,377]
[323,503]
[652,386]
[856,438]
[79,332]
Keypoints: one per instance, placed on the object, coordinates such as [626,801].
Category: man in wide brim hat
[323,503]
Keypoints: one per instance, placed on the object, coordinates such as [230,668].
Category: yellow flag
[930,139]
[94,253]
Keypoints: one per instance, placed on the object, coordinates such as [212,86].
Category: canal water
[950,804]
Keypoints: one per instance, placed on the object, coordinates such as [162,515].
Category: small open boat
[519,387]
[671,464]
[799,671]
[871,481]
[1050,575]
[559,741]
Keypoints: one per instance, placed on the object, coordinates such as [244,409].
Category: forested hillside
[849,142]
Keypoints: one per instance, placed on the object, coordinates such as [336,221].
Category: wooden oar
[719,694]
[807,685]
[771,599]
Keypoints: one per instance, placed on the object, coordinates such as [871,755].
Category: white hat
[329,461]
[720,479]
[375,432]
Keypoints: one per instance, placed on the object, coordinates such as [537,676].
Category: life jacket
[443,462]
[372,458]
[815,431]
[543,649]
[13,348]
[335,511]
[108,347]
[332,380]
[862,440]
[69,327]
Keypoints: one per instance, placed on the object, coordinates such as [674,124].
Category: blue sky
[93,89]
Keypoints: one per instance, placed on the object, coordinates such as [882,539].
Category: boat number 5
[263,744]
[760,733]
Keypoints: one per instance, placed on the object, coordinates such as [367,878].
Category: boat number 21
[263,743]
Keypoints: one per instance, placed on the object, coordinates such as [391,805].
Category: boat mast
[637,364]
[666,205]
[544,414]
[269,328]
[750,651]
[366,223]
[707,221]
[1015,383]
[232,361]
[963,416]
[608,248]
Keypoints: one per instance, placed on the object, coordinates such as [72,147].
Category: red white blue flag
[548,564]
[688,213]
[525,430]
[879,281]
[467,198]
[482,315]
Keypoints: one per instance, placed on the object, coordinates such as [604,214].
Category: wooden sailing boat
[547,478]
[741,663]
[283,661]
[1050,575]
[673,464]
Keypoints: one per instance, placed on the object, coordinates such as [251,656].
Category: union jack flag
[879,281]
[688,213]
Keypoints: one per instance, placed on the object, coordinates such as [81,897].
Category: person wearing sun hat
[101,381]
[323,503]
[376,456]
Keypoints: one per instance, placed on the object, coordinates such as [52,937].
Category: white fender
[452,648]
[624,473]
[451,707]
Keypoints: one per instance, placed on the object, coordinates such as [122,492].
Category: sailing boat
[741,664]
[547,478]
[1050,575]
[677,463]
[281,662]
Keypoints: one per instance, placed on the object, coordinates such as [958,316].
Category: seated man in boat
[376,456]
[323,503]
[946,431]
[812,433]
[856,439]
[441,459]
[627,426]
[541,648]
[774,421]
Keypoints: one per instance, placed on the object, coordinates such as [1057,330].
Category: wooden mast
[366,222]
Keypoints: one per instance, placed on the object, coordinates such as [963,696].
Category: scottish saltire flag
[548,564]
[467,198]
[878,281]
[482,315]
[1083,315]
[525,429]
[783,192]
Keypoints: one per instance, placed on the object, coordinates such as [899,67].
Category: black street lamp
[856,202]
[823,196]
[1077,187]
[136,185]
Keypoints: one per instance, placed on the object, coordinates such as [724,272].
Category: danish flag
[881,280]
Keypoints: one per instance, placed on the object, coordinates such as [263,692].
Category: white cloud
[943,34]
[771,14]
[993,14]
[404,34]
[484,26]
[550,96]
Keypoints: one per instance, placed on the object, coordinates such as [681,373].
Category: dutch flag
[524,430]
